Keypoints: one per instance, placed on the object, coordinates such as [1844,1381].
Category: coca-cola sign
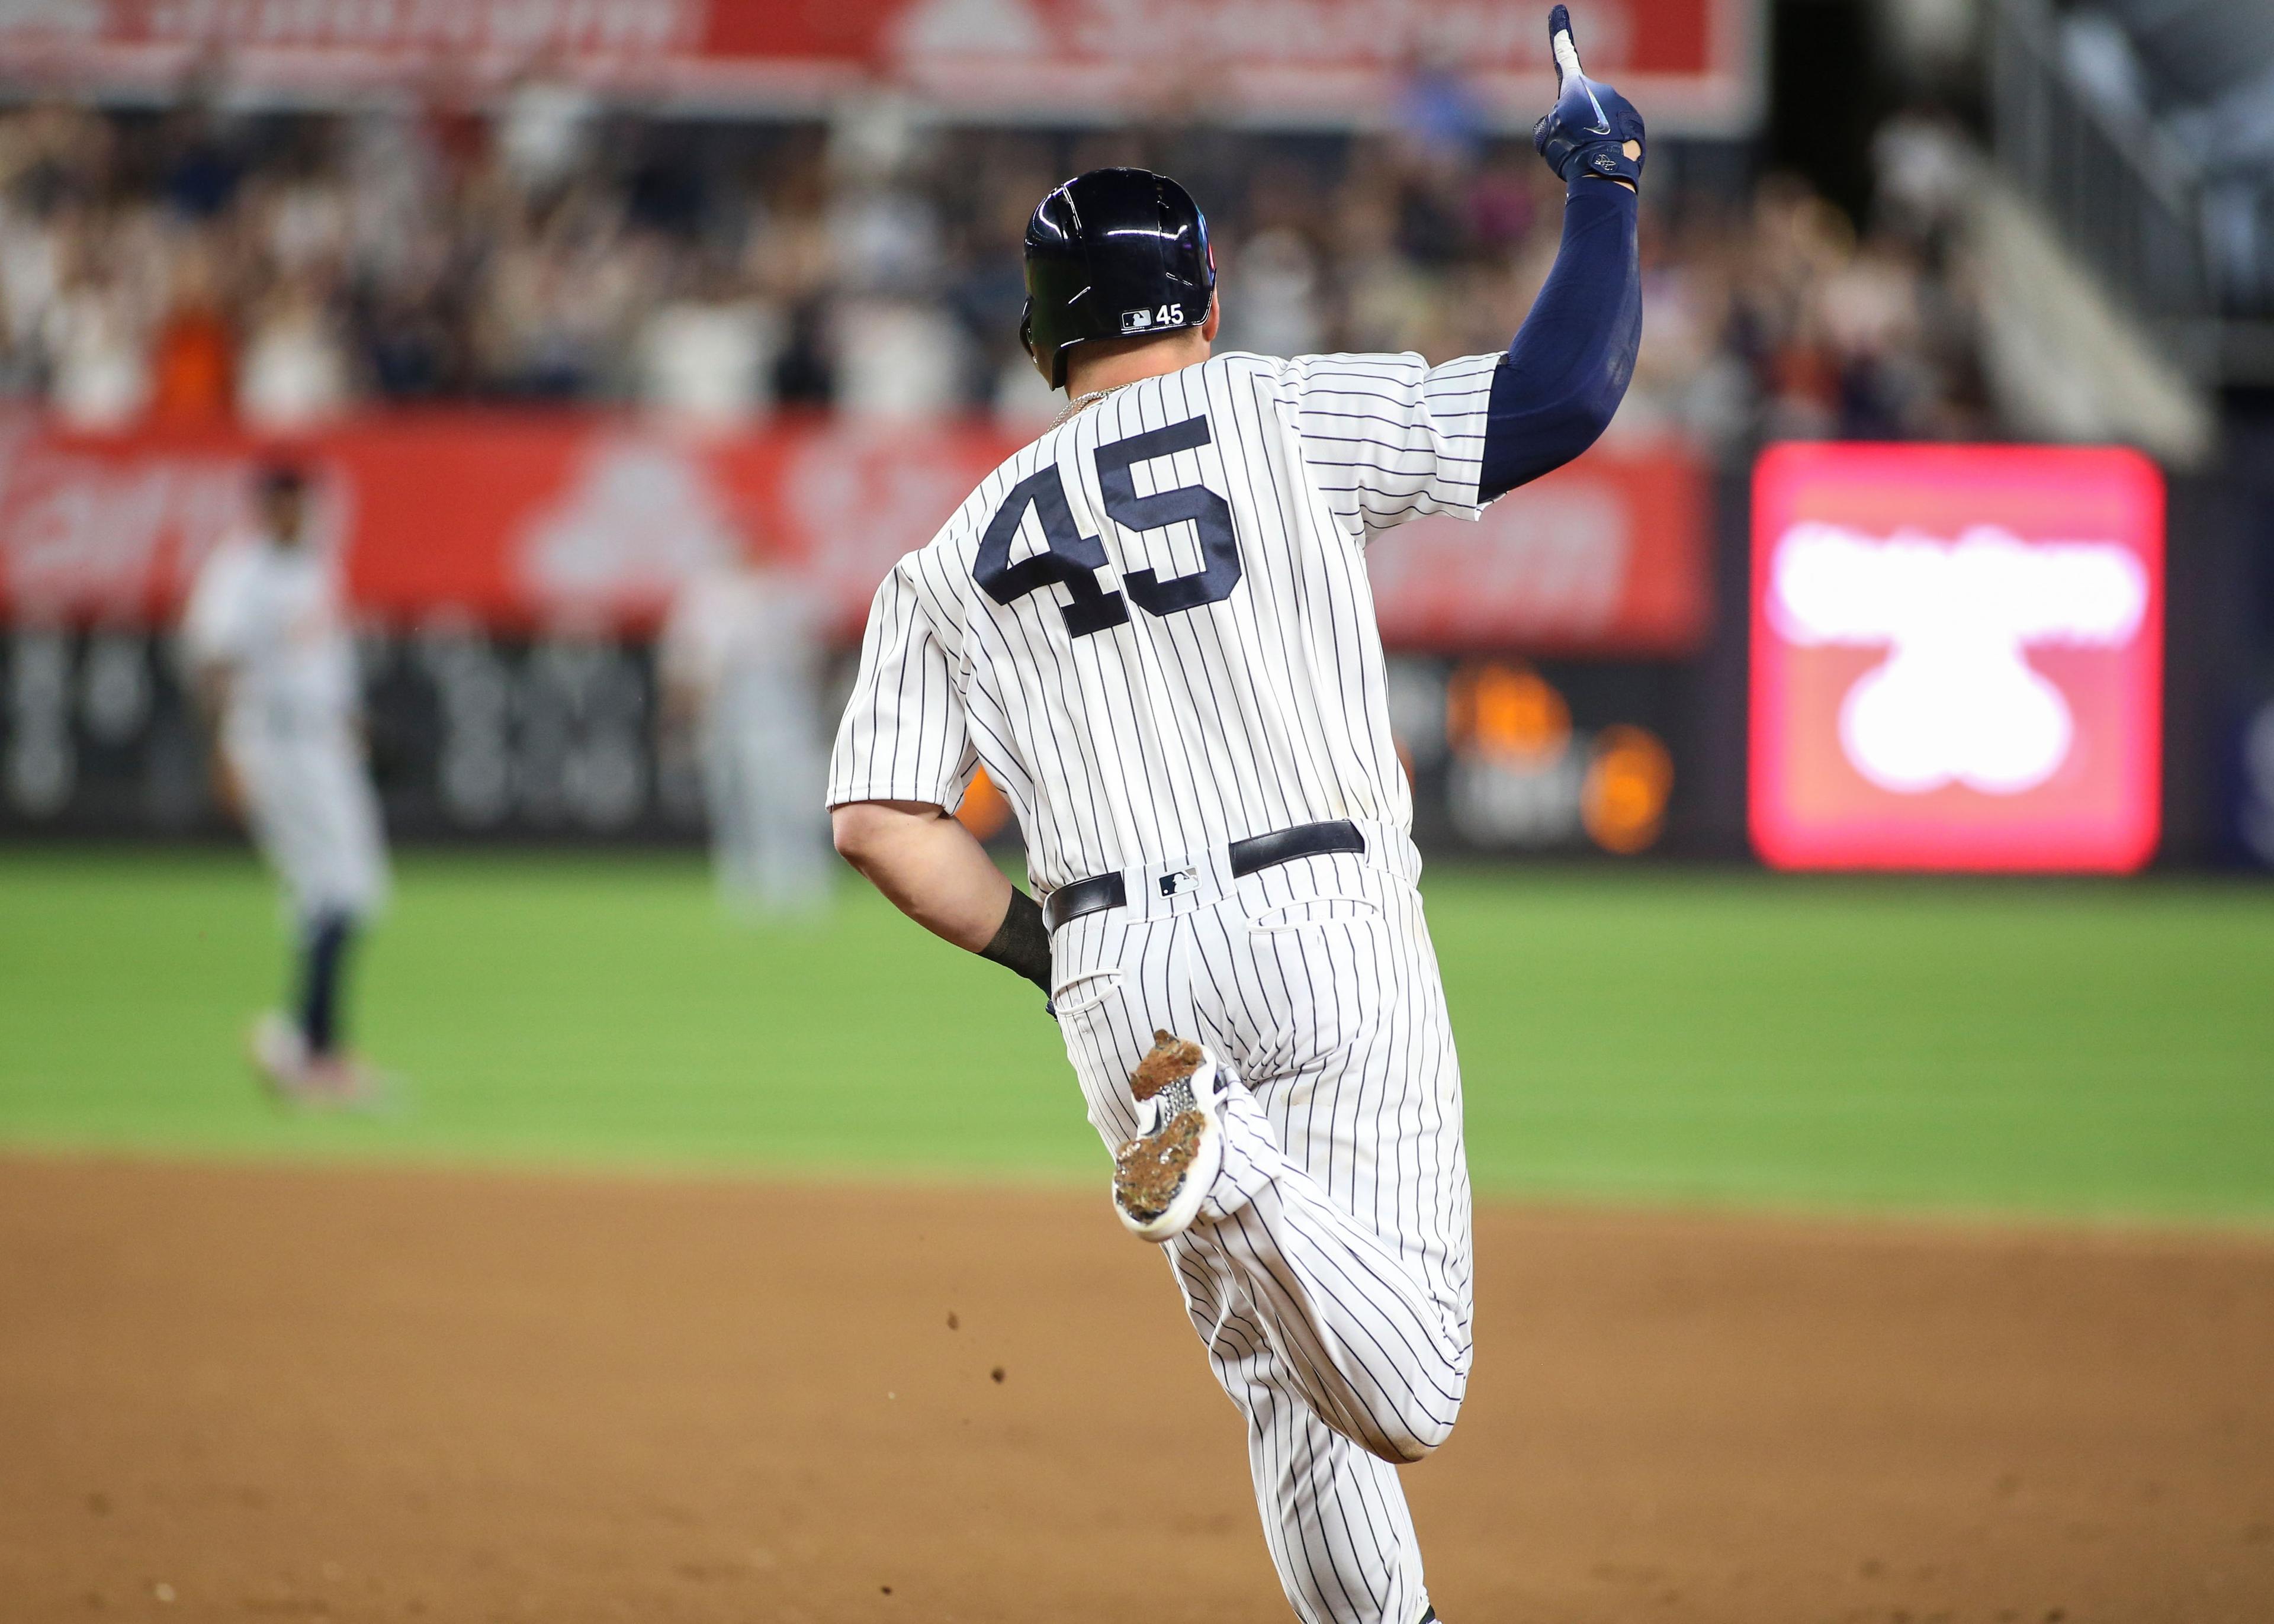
[104,530]
[1956,657]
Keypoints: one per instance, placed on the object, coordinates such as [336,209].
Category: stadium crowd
[186,266]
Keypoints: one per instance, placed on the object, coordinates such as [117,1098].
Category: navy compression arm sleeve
[1554,393]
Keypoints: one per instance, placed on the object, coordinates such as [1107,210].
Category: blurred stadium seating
[286,268]
[2147,132]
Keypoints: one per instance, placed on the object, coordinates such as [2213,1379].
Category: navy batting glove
[1592,125]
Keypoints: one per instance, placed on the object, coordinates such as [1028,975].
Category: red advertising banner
[1693,66]
[1957,658]
[1607,554]
[522,520]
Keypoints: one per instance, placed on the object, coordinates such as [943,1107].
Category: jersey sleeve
[1390,438]
[904,735]
[213,630]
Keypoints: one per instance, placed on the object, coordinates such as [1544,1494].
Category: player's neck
[1088,374]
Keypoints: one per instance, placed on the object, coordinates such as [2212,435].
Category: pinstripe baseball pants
[1329,1272]
[309,800]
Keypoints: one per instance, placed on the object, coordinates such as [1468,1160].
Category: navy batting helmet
[1114,253]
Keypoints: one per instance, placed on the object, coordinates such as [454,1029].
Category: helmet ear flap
[1048,365]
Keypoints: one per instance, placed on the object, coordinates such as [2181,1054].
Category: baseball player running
[274,674]
[1153,628]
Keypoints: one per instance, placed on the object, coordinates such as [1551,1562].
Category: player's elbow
[868,834]
[859,831]
[1581,418]
[1537,424]
[1552,438]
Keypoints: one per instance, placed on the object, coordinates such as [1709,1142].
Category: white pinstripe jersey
[1152,626]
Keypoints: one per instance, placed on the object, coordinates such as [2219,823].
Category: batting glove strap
[1587,131]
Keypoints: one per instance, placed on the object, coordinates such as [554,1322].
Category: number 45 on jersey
[1073,559]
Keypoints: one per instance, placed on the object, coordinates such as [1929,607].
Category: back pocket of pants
[1324,964]
[1316,911]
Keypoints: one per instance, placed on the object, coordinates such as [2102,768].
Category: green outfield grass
[2081,1048]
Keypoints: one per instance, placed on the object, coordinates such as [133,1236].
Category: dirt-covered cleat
[1160,1176]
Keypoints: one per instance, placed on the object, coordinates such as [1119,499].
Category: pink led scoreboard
[1957,658]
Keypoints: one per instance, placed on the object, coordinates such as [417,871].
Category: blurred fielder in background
[741,662]
[274,671]
[1154,628]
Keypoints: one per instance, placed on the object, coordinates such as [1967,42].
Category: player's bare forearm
[928,866]
[209,684]
[209,687]
[683,701]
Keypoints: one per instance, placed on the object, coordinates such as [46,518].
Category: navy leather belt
[1071,901]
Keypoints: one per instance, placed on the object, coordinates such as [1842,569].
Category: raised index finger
[1560,42]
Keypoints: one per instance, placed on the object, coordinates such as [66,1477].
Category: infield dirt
[343,1394]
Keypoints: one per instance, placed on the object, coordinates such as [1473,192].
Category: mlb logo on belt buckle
[1182,880]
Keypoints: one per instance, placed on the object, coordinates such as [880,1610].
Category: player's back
[1152,626]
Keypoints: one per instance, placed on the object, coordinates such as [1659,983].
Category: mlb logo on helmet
[1151,319]
[1957,657]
